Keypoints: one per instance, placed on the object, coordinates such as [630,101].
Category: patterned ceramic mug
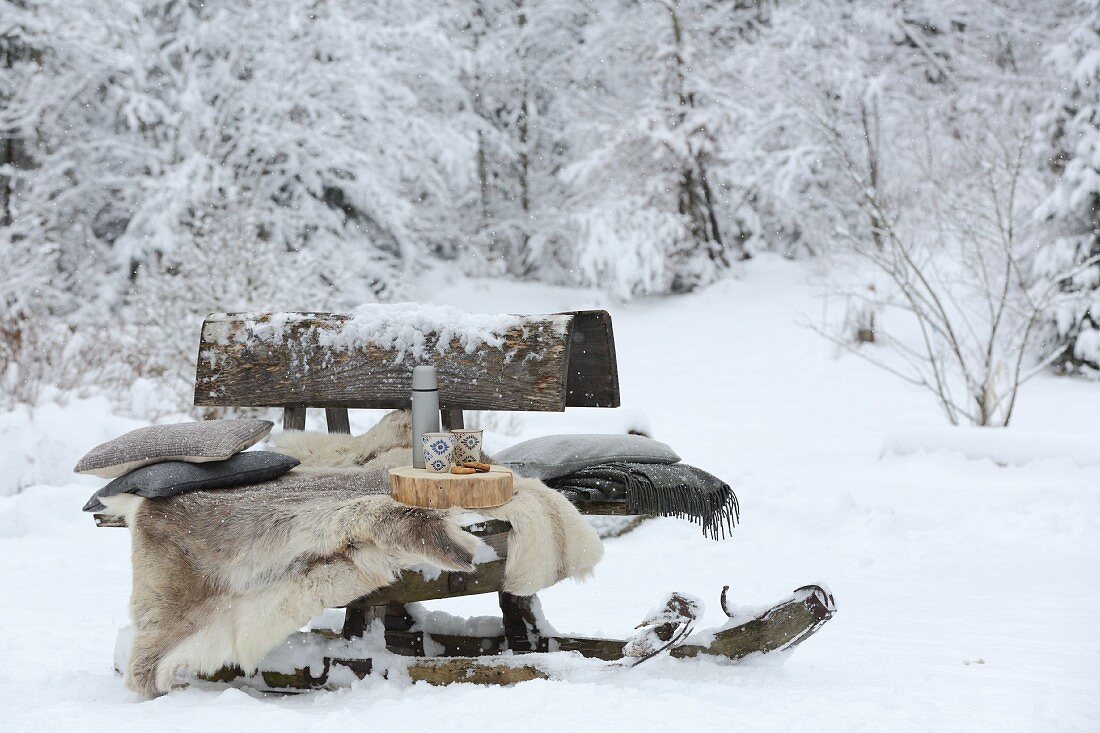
[438,450]
[468,445]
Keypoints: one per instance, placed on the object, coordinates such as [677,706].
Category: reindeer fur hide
[221,577]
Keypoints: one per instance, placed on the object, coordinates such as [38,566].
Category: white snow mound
[1005,446]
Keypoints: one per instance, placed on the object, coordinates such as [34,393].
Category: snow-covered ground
[965,571]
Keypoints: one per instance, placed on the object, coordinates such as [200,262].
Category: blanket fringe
[718,512]
[667,490]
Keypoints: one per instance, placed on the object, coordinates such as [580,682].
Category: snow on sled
[544,363]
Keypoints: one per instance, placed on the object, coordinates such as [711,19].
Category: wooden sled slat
[412,586]
[782,626]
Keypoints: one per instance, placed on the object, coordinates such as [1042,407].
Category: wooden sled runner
[546,363]
[470,659]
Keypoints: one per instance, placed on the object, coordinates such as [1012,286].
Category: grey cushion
[557,455]
[195,442]
[178,477]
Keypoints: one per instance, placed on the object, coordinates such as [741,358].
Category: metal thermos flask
[425,409]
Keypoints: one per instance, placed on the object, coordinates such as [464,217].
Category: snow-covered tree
[325,151]
[337,126]
[335,130]
[1074,201]
[518,78]
[938,196]
[646,196]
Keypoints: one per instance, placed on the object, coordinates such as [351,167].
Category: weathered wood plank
[452,419]
[521,626]
[337,420]
[593,369]
[432,671]
[609,650]
[298,679]
[473,672]
[411,644]
[268,359]
[413,586]
[109,520]
[294,418]
[782,626]
[355,622]
[396,617]
[604,508]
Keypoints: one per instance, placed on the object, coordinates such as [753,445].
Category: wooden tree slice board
[420,487]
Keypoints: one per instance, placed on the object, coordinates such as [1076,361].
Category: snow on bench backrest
[365,359]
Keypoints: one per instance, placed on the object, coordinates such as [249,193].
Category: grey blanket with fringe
[668,490]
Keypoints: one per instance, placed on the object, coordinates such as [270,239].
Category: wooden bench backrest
[547,363]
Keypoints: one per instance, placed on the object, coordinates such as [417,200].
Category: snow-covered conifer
[1074,201]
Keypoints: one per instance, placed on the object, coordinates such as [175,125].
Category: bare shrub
[951,247]
[37,356]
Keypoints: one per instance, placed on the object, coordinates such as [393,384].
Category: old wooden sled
[546,363]
[445,658]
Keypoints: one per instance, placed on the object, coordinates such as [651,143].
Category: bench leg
[294,418]
[396,617]
[521,621]
[356,620]
[521,626]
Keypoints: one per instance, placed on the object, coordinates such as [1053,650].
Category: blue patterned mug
[438,449]
[467,445]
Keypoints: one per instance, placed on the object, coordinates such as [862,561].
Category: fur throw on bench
[221,577]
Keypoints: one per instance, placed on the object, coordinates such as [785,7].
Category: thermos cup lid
[424,378]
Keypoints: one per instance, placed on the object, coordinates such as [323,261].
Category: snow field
[966,589]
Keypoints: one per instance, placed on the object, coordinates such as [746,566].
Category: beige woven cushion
[194,442]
